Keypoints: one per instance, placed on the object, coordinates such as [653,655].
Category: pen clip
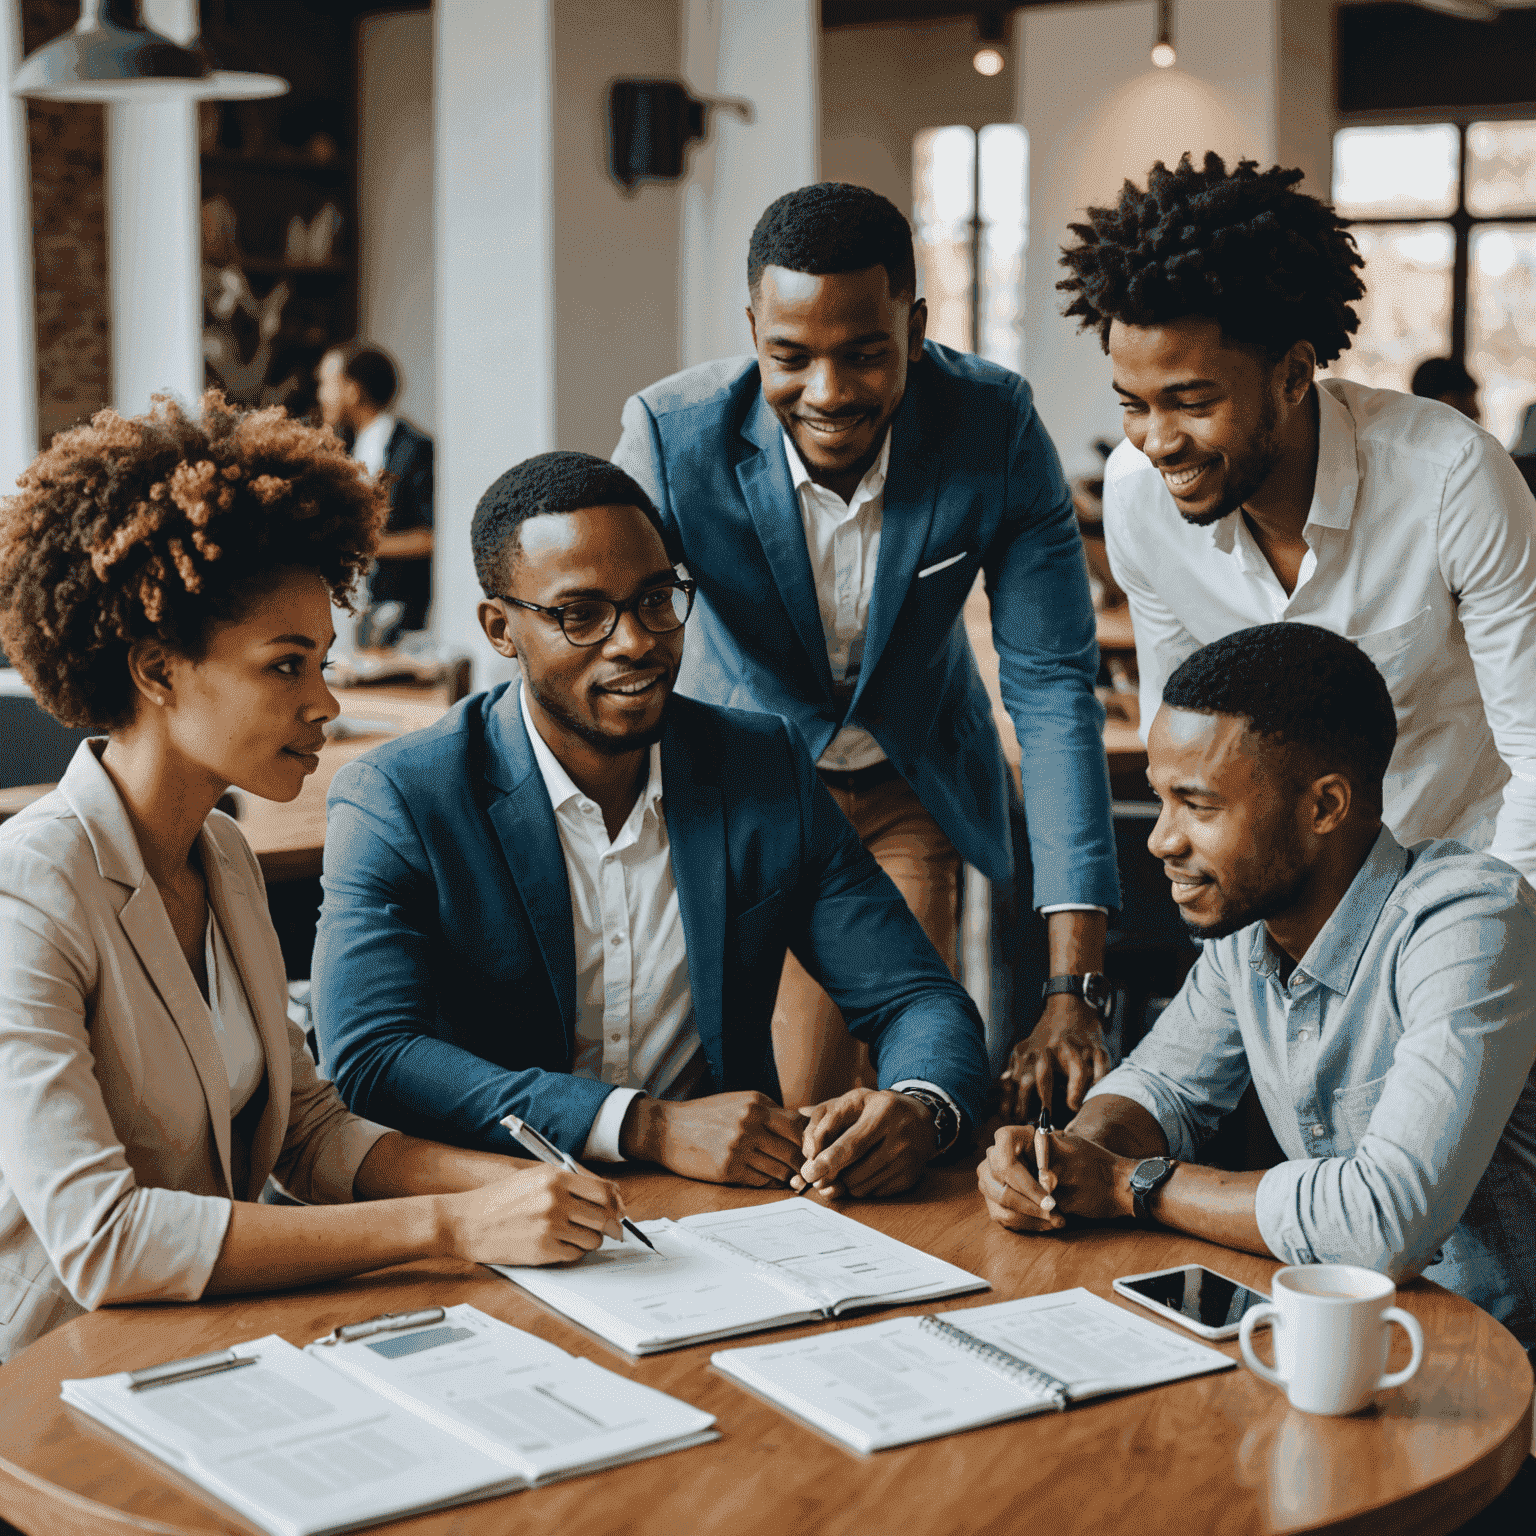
[187,1370]
[385,1322]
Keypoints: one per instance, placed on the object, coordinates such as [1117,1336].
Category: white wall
[1097,111]
[394,202]
[493,109]
[616,283]
[765,51]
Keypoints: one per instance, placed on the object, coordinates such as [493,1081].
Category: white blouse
[234,1025]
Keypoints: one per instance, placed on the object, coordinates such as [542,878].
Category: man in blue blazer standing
[571,899]
[834,497]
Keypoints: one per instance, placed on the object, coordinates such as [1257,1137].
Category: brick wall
[69,241]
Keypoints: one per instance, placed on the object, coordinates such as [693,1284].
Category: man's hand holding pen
[1034,1177]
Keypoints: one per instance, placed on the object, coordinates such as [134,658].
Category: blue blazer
[444,969]
[973,478]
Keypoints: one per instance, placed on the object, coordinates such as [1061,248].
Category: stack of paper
[336,1437]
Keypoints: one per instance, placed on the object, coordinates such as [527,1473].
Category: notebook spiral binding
[1001,1360]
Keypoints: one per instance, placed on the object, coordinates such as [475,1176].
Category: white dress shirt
[369,446]
[843,540]
[1421,547]
[634,1002]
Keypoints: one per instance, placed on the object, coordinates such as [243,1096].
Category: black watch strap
[946,1123]
[1093,987]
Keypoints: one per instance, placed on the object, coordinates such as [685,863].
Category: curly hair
[159,526]
[1299,687]
[1270,265]
[562,481]
[832,227]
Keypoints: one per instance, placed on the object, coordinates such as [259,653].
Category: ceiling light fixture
[110,55]
[1162,50]
[989,58]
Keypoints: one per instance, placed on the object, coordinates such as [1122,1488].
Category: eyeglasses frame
[629,605]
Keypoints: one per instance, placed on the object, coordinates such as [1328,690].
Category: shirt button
[614,1038]
[1302,1034]
[1318,1130]
[618,939]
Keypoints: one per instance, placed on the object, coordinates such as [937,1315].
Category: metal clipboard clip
[385,1322]
[187,1370]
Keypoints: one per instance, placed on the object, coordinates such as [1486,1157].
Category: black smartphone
[1195,1297]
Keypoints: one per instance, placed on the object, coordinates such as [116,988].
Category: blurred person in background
[358,383]
[1445,380]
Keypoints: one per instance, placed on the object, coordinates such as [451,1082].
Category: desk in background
[1217,1453]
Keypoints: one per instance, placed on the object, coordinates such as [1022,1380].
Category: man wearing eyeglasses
[571,899]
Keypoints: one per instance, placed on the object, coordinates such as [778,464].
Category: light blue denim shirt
[1395,1068]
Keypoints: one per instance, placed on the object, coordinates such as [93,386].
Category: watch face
[1097,991]
[1149,1171]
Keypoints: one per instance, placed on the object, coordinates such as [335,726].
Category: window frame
[1461,220]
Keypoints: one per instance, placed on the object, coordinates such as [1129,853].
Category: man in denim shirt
[1381,1000]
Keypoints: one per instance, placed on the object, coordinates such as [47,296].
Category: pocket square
[942,564]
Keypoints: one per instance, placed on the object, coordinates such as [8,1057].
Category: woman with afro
[170,580]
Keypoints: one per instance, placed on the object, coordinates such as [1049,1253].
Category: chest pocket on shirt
[1352,1108]
[1395,651]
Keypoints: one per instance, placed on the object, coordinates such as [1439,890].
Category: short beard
[1251,906]
[600,741]
[1249,475]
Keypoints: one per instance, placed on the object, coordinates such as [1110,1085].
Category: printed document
[724,1273]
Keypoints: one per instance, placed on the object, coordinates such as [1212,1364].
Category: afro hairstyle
[156,527]
[1270,265]
[834,227]
[1302,689]
[562,481]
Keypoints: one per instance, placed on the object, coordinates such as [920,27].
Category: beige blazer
[115,1134]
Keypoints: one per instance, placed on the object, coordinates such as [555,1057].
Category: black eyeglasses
[590,620]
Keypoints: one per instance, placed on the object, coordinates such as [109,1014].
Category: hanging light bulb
[110,55]
[988,61]
[1162,50]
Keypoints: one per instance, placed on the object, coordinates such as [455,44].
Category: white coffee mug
[1332,1327]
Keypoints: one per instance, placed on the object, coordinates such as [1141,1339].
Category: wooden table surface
[1218,1453]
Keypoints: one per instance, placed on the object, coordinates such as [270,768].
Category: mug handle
[1410,1326]
[1251,1320]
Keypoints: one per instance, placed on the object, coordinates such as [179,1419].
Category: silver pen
[546,1151]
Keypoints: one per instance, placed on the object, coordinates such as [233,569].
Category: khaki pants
[816,1056]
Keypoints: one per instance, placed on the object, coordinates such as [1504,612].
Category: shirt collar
[1334,489]
[374,438]
[559,785]
[869,487]
[1334,955]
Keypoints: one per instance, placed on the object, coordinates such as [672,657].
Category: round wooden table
[1221,1453]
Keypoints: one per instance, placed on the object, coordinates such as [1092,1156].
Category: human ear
[1296,371]
[917,328]
[752,326]
[1329,799]
[493,620]
[151,666]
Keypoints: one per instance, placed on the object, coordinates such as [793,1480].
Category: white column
[495,283]
[154,255]
[768,52]
[18,323]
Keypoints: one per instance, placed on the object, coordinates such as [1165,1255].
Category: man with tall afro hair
[836,496]
[1249,492]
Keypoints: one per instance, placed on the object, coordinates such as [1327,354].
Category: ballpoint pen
[547,1152]
[1043,1129]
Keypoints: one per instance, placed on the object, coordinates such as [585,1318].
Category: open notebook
[914,1378]
[723,1273]
[336,1437]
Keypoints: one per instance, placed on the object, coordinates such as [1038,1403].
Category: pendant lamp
[110,55]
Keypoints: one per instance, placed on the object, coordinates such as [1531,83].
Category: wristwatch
[1149,1175]
[1093,988]
[946,1123]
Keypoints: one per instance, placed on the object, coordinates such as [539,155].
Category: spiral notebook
[916,1378]
[722,1273]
